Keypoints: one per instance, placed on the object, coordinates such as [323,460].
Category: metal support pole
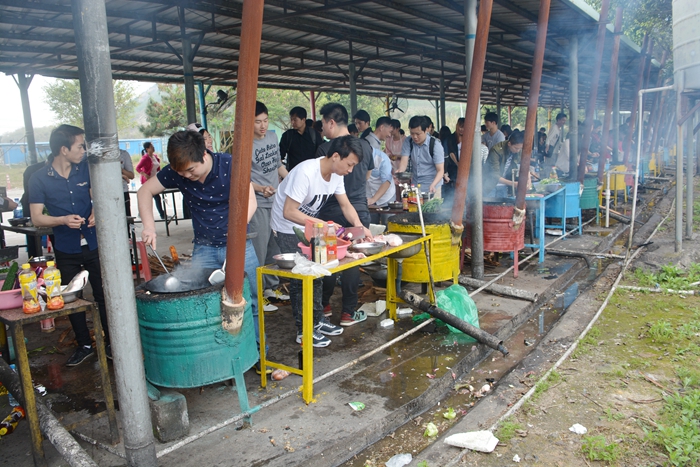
[616,120]
[593,95]
[573,106]
[680,80]
[353,89]
[92,44]
[187,66]
[312,103]
[443,120]
[437,115]
[689,184]
[633,115]
[498,102]
[531,118]
[249,63]
[476,204]
[611,95]
[202,104]
[23,82]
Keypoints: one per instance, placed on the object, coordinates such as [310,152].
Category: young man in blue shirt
[63,187]
[427,158]
[204,178]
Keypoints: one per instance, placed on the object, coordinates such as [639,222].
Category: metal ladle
[172,283]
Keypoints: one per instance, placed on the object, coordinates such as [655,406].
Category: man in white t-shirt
[555,140]
[299,198]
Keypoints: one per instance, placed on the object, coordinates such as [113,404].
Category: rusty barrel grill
[184,342]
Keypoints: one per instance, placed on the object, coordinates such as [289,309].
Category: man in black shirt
[301,141]
[335,124]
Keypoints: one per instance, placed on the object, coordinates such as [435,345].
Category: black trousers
[72,264]
[349,278]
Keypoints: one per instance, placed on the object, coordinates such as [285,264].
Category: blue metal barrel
[184,345]
[572,200]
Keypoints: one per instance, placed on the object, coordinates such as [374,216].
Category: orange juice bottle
[28,285]
[52,279]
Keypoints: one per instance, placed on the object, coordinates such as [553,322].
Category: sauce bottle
[331,242]
[320,250]
[27,282]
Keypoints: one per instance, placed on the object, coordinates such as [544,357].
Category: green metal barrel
[589,197]
[184,345]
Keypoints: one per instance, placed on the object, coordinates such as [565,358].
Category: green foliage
[679,431]
[661,331]
[669,277]
[506,430]
[423,464]
[596,448]
[63,98]
[613,416]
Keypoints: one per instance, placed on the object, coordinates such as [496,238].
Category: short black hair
[63,135]
[561,115]
[352,128]
[309,122]
[491,117]
[597,123]
[361,115]
[543,130]
[185,147]
[460,121]
[344,146]
[260,108]
[483,128]
[418,121]
[382,121]
[517,137]
[299,112]
[336,112]
[396,124]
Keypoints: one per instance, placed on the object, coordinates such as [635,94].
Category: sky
[11,117]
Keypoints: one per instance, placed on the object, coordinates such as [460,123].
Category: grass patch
[678,432]
[506,430]
[596,448]
[661,331]
[668,276]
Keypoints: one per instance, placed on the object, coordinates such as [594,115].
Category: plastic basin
[10,298]
[342,249]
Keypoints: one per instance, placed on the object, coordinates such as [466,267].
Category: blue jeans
[213,257]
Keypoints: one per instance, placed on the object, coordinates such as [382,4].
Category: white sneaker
[267,306]
[275,294]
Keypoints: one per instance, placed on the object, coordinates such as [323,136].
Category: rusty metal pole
[312,101]
[531,118]
[593,95]
[633,115]
[472,114]
[611,94]
[248,63]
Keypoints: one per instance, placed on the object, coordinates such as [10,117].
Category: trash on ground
[374,308]
[387,323]
[430,430]
[482,441]
[516,458]
[404,311]
[279,375]
[450,414]
[399,460]
[356,406]
[578,429]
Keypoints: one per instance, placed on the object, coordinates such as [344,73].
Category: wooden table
[30,231]
[307,371]
[16,319]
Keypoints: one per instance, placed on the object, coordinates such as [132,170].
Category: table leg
[563,214]
[104,372]
[261,326]
[541,229]
[28,392]
[391,272]
[174,209]
[307,340]
[37,244]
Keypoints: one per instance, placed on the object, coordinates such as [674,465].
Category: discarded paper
[482,441]
[578,429]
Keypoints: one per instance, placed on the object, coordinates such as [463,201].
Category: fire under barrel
[184,344]
[444,255]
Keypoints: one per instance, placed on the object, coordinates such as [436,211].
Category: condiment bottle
[331,242]
[404,198]
[320,250]
[27,282]
[52,279]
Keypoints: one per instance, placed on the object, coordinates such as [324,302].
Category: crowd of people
[330,170]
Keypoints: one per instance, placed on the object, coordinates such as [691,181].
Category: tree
[63,98]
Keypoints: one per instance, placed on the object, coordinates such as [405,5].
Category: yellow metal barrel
[444,256]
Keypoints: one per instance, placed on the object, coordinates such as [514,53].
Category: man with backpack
[300,142]
[426,155]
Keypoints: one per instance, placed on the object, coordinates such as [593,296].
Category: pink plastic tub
[342,249]
[10,298]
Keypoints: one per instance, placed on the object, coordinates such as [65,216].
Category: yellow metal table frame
[307,373]
[16,319]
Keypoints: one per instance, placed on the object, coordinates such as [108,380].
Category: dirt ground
[633,382]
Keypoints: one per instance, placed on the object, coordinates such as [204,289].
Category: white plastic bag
[306,267]
[483,441]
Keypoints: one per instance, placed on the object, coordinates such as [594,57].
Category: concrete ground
[396,385]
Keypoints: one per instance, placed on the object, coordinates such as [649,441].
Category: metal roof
[400,47]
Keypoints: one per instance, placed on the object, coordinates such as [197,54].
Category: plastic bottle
[10,398]
[27,282]
[320,250]
[10,422]
[404,198]
[331,242]
[18,213]
[412,201]
[52,279]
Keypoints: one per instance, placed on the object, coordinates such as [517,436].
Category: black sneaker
[80,356]
[108,351]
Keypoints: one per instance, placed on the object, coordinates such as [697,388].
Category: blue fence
[16,153]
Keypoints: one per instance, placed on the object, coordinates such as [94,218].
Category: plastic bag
[306,267]
[456,301]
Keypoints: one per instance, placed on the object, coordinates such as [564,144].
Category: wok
[183,280]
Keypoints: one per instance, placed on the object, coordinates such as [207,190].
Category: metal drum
[589,197]
[572,199]
[499,235]
[184,344]
[445,255]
